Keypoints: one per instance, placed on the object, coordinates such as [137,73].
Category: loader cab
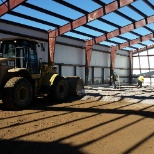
[23,52]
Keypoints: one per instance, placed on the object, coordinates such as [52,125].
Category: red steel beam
[90,17]
[135,41]
[113,57]
[89,45]
[125,29]
[130,66]
[9,5]
[52,42]
[144,48]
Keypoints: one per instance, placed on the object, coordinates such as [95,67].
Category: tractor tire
[17,93]
[59,89]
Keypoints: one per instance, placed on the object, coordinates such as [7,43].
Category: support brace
[113,57]
[52,42]
[89,45]
[130,67]
[9,5]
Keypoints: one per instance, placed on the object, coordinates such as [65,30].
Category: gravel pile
[126,93]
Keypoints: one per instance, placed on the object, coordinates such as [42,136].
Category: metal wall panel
[106,75]
[67,71]
[121,61]
[80,71]
[70,41]
[69,55]
[98,76]
[23,30]
[100,59]
[2,36]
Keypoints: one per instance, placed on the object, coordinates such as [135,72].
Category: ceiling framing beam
[135,41]
[149,4]
[89,17]
[125,29]
[9,5]
[144,48]
[28,5]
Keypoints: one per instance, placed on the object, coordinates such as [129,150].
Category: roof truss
[8,8]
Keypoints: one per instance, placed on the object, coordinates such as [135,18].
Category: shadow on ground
[25,147]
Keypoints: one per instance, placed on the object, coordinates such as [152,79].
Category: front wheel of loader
[59,89]
[17,93]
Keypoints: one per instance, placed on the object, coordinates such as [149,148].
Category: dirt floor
[81,125]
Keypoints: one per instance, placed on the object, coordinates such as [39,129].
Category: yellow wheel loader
[23,76]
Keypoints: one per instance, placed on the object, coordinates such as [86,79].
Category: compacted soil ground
[86,124]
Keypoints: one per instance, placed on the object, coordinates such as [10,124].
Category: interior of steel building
[91,38]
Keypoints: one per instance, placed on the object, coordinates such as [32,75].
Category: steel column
[113,57]
[9,5]
[130,66]
[89,45]
[112,60]
[52,42]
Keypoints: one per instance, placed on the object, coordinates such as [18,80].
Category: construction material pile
[123,93]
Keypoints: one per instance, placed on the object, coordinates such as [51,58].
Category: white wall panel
[106,75]
[126,53]
[80,71]
[67,71]
[100,59]
[98,75]
[23,30]
[70,41]
[69,55]
[3,36]
[122,61]
[101,48]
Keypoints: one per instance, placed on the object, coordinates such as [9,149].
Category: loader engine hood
[7,62]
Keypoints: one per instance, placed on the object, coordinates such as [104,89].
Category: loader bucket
[75,85]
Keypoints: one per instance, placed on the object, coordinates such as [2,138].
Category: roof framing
[8,6]
[88,17]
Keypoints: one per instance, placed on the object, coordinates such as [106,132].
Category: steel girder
[82,21]
[90,17]
[144,48]
[135,41]
[9,5]
[122,30]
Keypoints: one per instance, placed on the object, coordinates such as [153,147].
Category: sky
[89,6]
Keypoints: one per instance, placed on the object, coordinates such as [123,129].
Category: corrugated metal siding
[23,30]
[69,55]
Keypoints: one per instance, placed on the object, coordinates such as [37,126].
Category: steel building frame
[8,6]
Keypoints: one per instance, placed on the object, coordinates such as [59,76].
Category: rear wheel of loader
[17,93]
[59,90]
